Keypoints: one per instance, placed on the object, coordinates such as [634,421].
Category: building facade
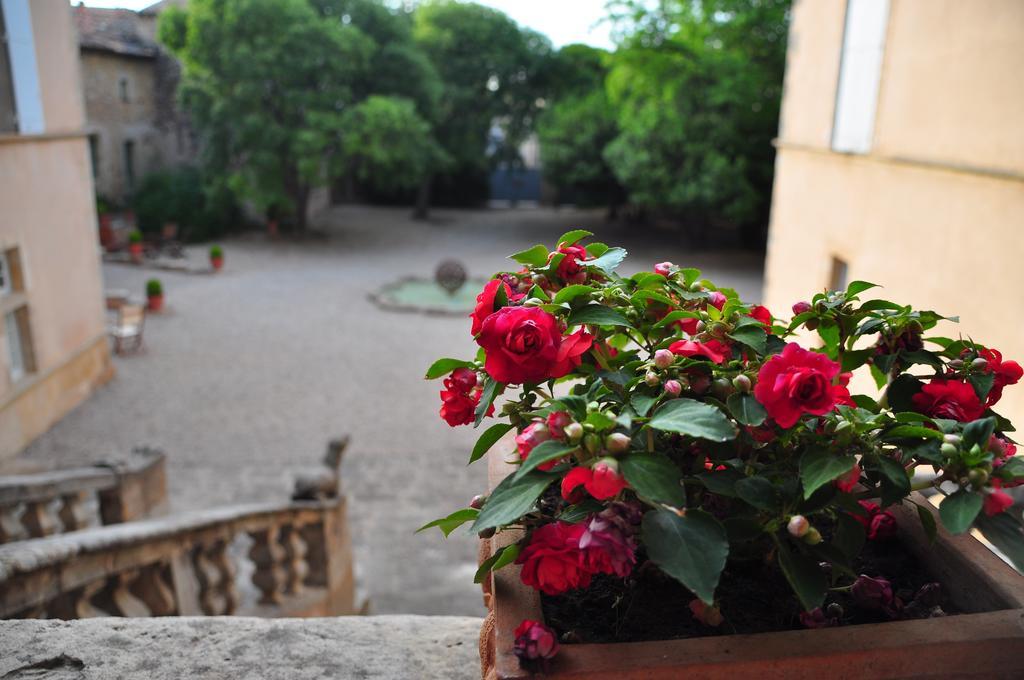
[129,83]
[53,346]
[901,162]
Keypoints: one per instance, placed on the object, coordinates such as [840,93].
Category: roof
[158,7]
[119,31]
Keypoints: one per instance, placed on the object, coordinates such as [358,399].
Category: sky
[563,21]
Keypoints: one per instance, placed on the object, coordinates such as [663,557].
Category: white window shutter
[21,49]
[859,74]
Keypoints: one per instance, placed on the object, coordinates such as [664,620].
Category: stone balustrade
[44,504]
[269,560]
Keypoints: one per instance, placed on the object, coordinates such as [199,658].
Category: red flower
[843,397]
[761,313]
[461,380]
[797,382]
[457,403]
[570,352]
[997,502]
[607,549]
[521,344]
[879,524]
[663,268]
[553,561]
[717,299]
[602,481]
[485,303]
[1004,372]
[713,350]
[688,326]
[849,480]
[533,641]
[531,436]
[570,268]
[948,399]
[557,422]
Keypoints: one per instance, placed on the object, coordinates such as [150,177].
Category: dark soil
[754,597]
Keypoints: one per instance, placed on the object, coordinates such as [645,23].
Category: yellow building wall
[49,217]
[935,211]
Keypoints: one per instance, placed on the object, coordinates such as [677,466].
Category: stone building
[901,161]
[53,346]
[129,84]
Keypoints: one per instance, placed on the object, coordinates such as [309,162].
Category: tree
[577,125]
[267,83]
[491,70]
[697,87]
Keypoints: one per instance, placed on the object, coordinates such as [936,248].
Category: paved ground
[249,372]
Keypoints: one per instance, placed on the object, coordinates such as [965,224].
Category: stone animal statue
[324,482]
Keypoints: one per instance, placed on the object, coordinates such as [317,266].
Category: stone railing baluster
[11,528]
[74,514]
[220,558]
[38,519]
[316,554]
[123,599]
[211,599]
[152,588]
[295,559]
[268,557]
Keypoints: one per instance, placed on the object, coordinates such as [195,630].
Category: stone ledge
[230,648]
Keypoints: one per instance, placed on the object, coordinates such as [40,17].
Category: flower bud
[721,388]
[478,501]
[979,364]
[811,324]
[812,537]
[663,358]
[798,526]
[915,327]
[700,326]
[591,442]
[573,432]
[719,330]
[663,268]
[652,379]
[673,388]
[975,451]
[700,383]
[801,307]
[617,442]
[534,641]
[696,287]
[956,364]
[716,299]
[742,383]
[873,593]
[951,438]
[977,477]
[533,302]
[486,533]
[834,611]
[948,450]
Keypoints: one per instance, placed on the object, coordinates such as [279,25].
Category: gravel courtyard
[250,372]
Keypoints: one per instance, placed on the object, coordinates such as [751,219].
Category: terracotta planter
[155,303]
[107,238]
[987,641]
[217,263]
[135,250]
[272,230]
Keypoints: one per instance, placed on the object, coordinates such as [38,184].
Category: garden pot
[155,303]
[272,230]
[135,250]
[985,641]
[107,239]
[216,263]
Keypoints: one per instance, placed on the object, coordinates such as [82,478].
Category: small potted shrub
[674,465]
[216,257]
[135,246]
[154,295]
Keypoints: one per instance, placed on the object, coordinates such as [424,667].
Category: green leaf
[805,576]
[607,263]
[901,391]
[596,249]
[445,366]
[830,336]
[858,287]
[654,477]
[959,509]
[675,316]
[488,439]
[512,499]
[821,466]
[570,238]
[721,482]
[598,315]
[600,421]
[758,492]
[694,418]
[543,453]
[912,432]
[1006,532]
[577,513]
[895,482]
[691,549]
[689,275]
[927,522]
[978,432]
[753,337]
[746,409]
[452,522]
[536,256]
[854,359]
[500,558]
[982,383]
[492,389]
[642,403]
[849,535]
[569,293]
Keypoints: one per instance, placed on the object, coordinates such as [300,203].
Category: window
[122,89]
[94,154]
[837,278]
[860,70]
[129,165]
[8,114]
[10,272]
[21,108]
[5,276]
[19,358]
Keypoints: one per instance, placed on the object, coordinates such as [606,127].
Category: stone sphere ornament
[450,275]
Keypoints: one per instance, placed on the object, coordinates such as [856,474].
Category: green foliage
[201,209]
[154,288]
[691,548]
[216,252]
[135,236]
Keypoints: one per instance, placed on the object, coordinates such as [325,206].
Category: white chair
[127,331]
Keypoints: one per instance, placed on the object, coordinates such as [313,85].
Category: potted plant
[216,257]
[154,295]
[694,487]
[135,246]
